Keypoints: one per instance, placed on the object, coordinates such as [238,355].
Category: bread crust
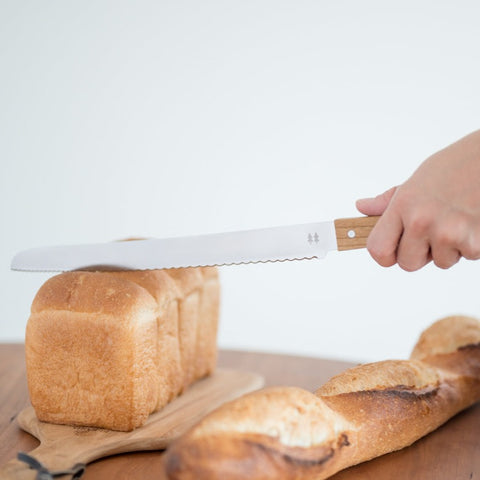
[106,349]
[367,411]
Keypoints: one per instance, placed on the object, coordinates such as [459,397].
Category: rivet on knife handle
[353,232]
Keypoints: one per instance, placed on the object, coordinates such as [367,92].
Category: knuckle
[475,254]
[444,264]
[383,258]
[419,223]
[471,251]
[447,237]
[382,255]
[410,267]
[471,246]
[412,257]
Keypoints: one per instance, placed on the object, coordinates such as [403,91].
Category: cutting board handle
[63,446]
[17,470]
[29,467]
[353,233]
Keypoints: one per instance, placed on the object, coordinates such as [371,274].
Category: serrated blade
[295,242]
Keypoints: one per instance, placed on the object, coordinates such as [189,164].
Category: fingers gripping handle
[353,232]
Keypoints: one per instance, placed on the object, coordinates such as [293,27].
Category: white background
[182,117]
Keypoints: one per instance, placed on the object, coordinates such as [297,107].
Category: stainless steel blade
[295,242]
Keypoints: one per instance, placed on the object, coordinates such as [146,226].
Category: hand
[434,215]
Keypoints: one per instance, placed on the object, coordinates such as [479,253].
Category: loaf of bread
[106,349]
[289,433]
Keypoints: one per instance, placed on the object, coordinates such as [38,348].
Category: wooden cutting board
[63,446]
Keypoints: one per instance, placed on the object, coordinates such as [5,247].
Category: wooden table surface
[451,452]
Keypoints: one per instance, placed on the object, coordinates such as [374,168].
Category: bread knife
[274,244]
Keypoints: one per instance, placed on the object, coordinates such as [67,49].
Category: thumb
[376,205]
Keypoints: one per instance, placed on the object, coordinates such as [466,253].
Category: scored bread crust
[289,433]
[106,349]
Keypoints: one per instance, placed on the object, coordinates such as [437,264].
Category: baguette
[289,433]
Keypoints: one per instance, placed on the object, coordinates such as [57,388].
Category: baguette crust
[288,433]
[106,349]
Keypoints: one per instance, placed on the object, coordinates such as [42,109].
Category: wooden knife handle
[353,232]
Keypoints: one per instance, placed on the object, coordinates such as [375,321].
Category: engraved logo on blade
[313,238]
